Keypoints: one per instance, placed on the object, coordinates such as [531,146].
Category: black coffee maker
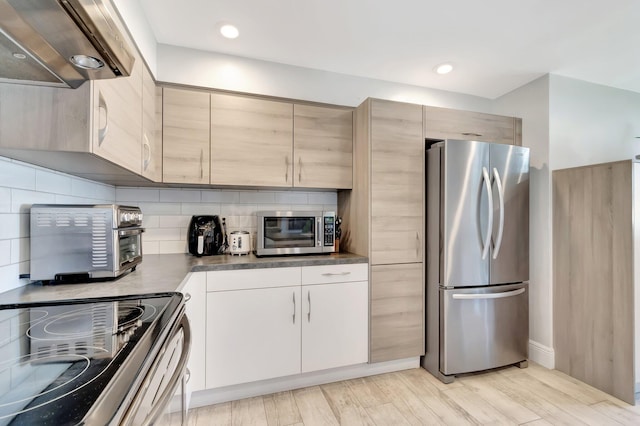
[206,236]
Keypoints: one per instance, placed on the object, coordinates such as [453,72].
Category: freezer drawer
[483,327]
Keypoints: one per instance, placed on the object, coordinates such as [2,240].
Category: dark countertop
[161,273]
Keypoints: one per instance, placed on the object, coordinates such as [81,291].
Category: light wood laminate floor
[531,396]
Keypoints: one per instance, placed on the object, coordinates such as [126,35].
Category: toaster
[205,236]
[239,242]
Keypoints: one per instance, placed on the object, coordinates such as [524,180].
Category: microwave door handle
[319,232]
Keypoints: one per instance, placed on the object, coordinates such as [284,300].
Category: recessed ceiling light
[445,68]
[18,55]
[229,31]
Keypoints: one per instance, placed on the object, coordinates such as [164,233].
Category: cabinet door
[185,136]
[445,123]
[334,325]
[397,312]
[151,128]
[251,141]
[397,179]
[252,335]
[322,147]
[117,119]
[195,293]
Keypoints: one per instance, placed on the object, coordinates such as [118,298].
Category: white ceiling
[495,45]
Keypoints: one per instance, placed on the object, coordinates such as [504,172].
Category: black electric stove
[81,361]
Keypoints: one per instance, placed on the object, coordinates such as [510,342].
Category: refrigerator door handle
[498,182]
[489,295]
[487,240]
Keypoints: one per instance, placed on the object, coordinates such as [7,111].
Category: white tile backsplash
[21,200]
[5,199]
[17,175]
[138,195]
[5,252]
[167,211]
[167,219]
[51,182]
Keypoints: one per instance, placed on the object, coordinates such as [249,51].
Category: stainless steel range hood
[60,42]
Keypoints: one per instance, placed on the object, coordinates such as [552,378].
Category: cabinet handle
[309,299]
[299,169]
[294,307]
[201,165]
[417,244]
[187,297]
[147,157]
[471,134]
[102,132]
[188,376]
[332,274]
[286,168]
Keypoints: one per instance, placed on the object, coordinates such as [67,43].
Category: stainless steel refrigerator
[477,298]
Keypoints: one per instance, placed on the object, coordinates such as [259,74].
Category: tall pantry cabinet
[383,219]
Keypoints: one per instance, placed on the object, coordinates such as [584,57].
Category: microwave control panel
[329,230]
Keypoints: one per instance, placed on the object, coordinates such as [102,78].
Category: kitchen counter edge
[162,273]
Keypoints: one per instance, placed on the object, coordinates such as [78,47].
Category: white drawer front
[244,279]
[327,274]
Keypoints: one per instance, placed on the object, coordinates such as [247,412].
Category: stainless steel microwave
[295,232]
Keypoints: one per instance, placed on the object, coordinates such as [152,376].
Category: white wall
[531,103]
[22,185]
[591,123]
[133,15]
[226,72]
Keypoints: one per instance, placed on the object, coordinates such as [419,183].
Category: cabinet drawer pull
[294,307]
[299,169]
[201,164]
[147,150]
[102,132]
[286,168]
[471,134]
[417,244]
[309,300]
[333,274]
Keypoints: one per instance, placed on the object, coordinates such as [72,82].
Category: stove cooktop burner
[69,352]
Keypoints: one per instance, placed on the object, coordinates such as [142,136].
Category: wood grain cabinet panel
[322,147]
[445,123]
[397,312]
[397,180]
[593,274]
[251,141]
[185,133]
[151,128]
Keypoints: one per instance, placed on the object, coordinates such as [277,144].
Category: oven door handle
[133,231]
[168,392]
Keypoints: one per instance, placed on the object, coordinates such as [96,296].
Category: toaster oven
[295,232]
[83,242]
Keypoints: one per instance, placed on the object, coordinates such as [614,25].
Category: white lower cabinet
[334,325]
[276,322]
[252,335]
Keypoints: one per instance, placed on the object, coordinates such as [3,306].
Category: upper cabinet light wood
[251,141]
[151,128]
[397,179]
[445,123]
[185,133]
[117,105]
[323,147]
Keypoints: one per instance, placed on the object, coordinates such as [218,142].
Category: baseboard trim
[265,387]
[541,354]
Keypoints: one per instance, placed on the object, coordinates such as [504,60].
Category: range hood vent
[60,43]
